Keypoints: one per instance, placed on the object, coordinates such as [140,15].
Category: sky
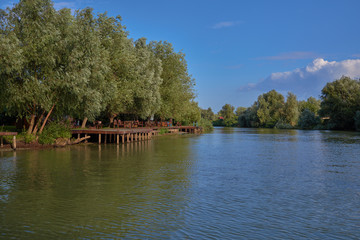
[237,50]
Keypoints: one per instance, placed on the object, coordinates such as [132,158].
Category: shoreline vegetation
[59,67]
[337,109]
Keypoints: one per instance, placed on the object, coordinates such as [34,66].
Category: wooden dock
[2,134]
[115,135]
[123,135]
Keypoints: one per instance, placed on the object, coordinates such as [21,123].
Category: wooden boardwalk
[115,135]
[122,135]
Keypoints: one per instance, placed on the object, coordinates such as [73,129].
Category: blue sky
[237,50]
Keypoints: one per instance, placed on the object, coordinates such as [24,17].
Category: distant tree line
[338,108]
[54,63]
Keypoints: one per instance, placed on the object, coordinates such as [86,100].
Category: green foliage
[282,124]
[53,131]
[270,108]
[227,112]
[207,114]
[84,65]
[27,138]
[340,101]
[239,111]
[177,87]
[249,117]
[226,117]
[192,113]
[291,110]
[28,61]
[311,104]
[232,122]
[206,124]
[308,120]
[163,131]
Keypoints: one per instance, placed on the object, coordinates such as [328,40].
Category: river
[232,183]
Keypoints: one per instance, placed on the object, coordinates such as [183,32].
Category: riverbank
[105,136]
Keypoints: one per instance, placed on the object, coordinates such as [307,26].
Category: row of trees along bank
[338,108]
[54,64]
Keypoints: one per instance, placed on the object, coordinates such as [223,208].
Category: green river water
[228,184]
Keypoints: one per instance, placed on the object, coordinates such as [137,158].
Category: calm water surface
[229,184]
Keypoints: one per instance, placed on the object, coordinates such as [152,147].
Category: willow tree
[28,61]
[87,67]
[147,99]
[122,64]
[177,88]
[56,61]
[270,108]
[291,109]
[340,101]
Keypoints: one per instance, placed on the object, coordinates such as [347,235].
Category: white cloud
[307,81]
[225,24]
[290,56]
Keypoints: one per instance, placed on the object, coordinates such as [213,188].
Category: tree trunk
[84,122]
[112,117]
[32,122]
[45,120]
[79,140]
[37,124]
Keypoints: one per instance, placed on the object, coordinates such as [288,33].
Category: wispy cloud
[226,24]
[307,81]
[290,56]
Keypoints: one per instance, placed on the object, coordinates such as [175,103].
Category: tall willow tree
[88,68]
[270,108]
[177,88]
[28,63]
[51,60]
[147,99]
[340,102]
[122,64]
[56,62]
[291,109]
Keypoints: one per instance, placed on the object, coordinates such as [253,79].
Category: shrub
[27,138]
[308,120]
[281,124]
[163,131]
[53,131]
[206,124]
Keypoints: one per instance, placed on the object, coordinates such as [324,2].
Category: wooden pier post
[2,141]
[14,142]
[123,138]
[117,139]
[99,138]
